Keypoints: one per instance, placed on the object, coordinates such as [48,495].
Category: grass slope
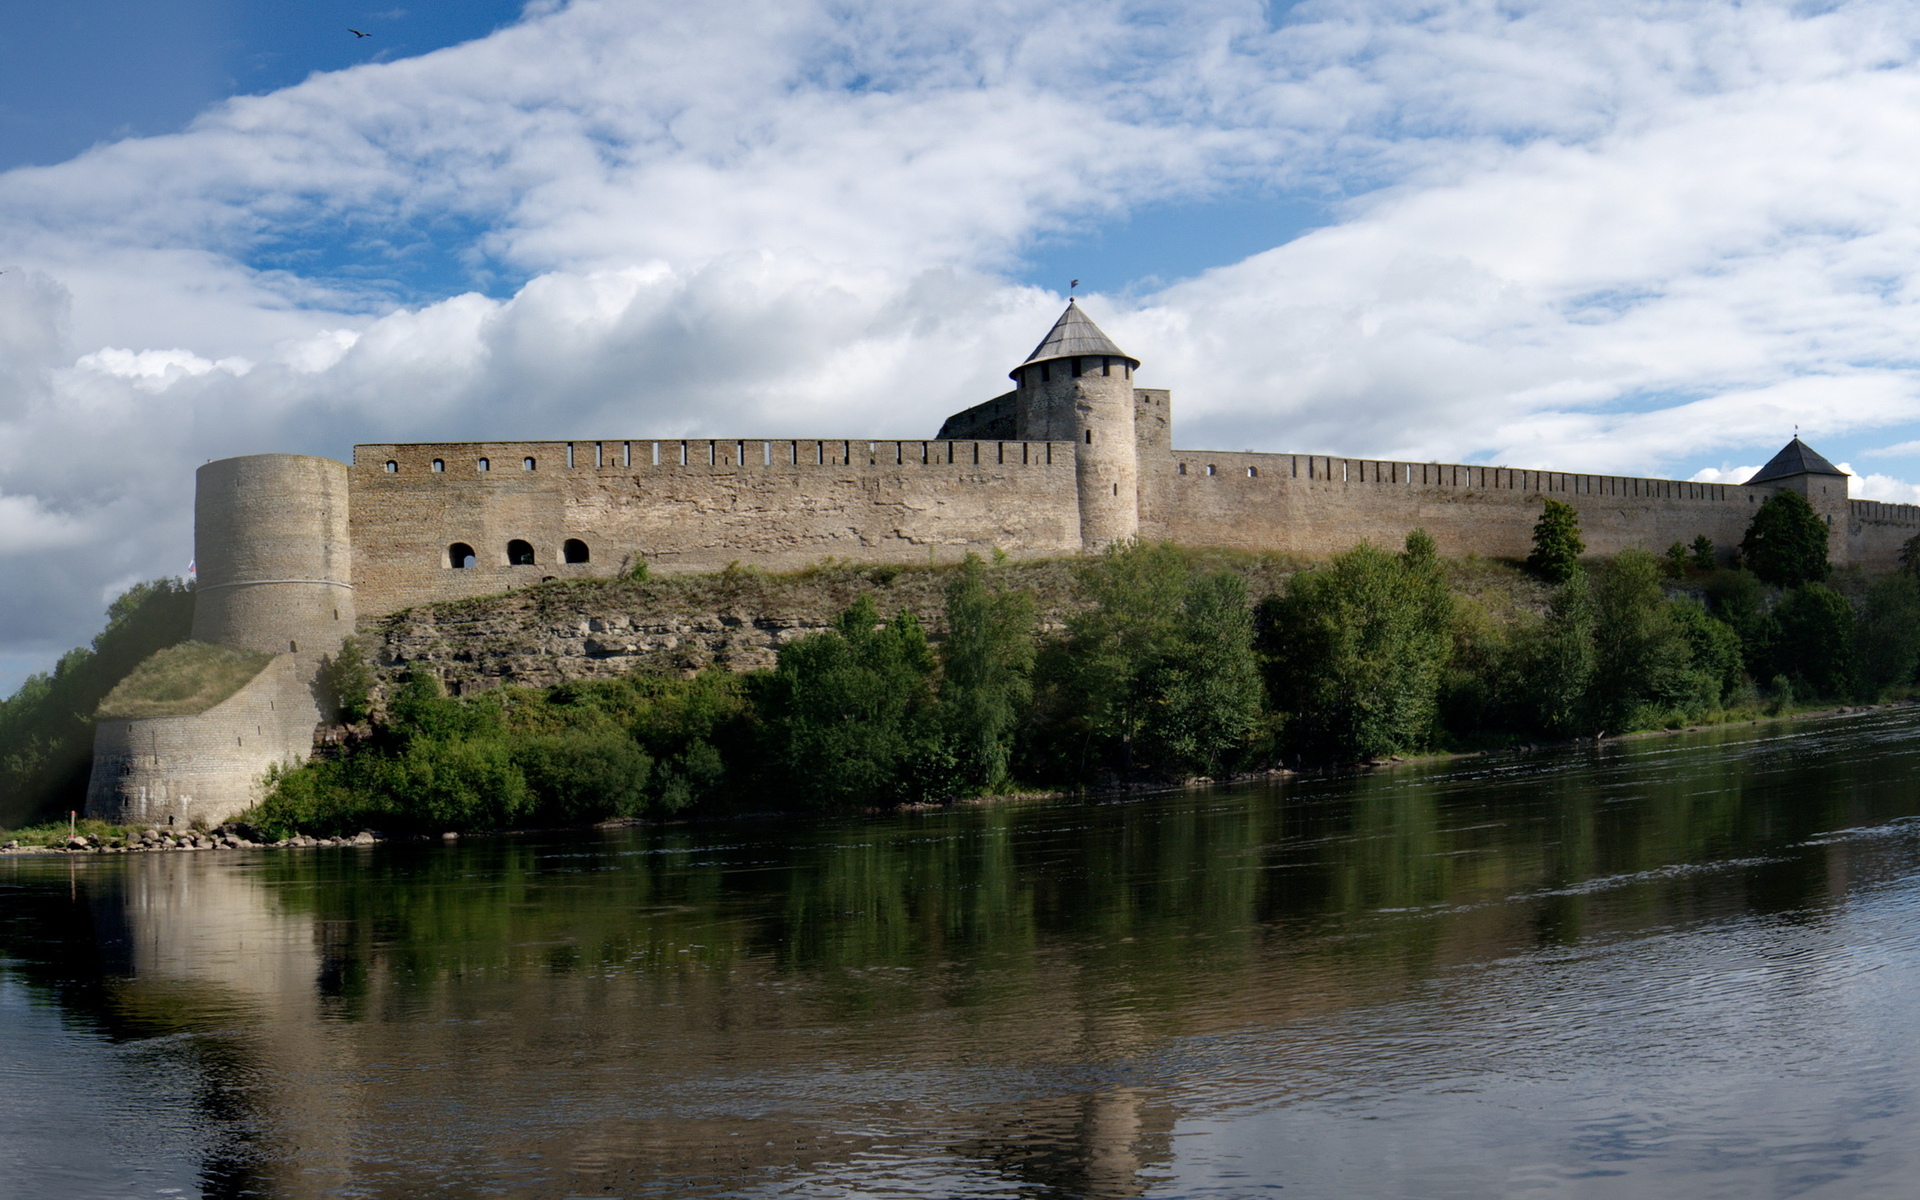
[183,680]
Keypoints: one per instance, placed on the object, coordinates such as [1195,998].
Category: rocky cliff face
[737,619]
[590,629]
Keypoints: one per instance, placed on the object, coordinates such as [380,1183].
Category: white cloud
[1613,237]
[1724,474]
[156,370]
[1885,488]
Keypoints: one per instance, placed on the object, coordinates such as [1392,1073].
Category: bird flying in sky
[357,33]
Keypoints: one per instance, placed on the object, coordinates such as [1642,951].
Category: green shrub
[584,775]
[460,784]
[1701,556]
[1556,543]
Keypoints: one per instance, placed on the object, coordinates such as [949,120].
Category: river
[1680,966]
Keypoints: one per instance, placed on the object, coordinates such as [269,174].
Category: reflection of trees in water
[1014,971]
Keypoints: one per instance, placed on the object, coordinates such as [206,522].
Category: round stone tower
[275,563]
[1077,386]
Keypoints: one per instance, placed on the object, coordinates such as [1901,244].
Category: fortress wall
[172,771]
[1319,505]
[1876,532]
[695,505]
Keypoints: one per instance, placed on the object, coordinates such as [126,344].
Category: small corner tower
[1077,386]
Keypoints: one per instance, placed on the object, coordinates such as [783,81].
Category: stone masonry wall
[1316,505]
[694,506]
[173,771]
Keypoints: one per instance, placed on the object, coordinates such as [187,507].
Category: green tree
[1101,675]
[1645,673]
[1206,693]
[1563,666]
[1910,556]
[1786,545]
[1676,561]
[46,726]
[1718,661]
[1556,543]
[1886,642]
[1701,554]
[1810,641]
[349,681]
[848,714]
[986,680]
[1356,650]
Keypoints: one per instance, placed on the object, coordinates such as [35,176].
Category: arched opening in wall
[460,556]
[1089,437]
[526,464]
[1209,468]
[486,465]
[1253,472]
[1046,372]
[519,553]
[392,466]
[574,551]
[1183,468]
[439,465]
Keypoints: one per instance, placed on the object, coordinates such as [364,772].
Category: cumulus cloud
[1599,236]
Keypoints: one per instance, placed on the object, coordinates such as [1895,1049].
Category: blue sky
[1636,237]
[86,71]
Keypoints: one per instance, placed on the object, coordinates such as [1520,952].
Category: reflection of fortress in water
[293,549]
[1010,1000]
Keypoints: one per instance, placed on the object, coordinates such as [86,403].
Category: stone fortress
[292,550]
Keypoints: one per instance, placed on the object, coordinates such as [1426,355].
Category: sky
[1626,237]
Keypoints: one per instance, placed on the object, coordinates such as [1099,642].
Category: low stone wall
[169,772]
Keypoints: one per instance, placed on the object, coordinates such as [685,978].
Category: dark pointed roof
[1795,458]
[1072,335]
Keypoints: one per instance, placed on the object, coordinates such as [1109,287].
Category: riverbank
[109,839]
[97,838]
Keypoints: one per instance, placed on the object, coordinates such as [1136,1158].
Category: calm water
[1683,967]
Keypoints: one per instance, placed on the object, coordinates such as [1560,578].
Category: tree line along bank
[1165,669]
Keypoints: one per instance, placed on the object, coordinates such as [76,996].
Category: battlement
[1328,469]
[505,461]
[1880,513]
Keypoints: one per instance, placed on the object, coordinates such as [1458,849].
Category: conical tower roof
[1073,335]
[1795,458]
